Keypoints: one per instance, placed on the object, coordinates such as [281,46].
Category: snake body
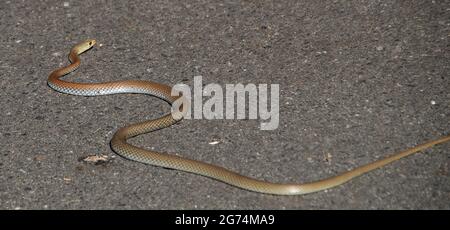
[120,146]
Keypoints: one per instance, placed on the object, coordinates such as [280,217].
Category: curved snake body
[119,141]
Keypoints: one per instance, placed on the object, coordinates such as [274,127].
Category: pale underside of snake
[120,146]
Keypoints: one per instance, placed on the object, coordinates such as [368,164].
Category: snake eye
[90,43]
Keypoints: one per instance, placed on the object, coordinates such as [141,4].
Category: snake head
[83,46]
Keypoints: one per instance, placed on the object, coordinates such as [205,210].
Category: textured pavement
[359,80]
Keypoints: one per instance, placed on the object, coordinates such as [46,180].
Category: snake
[120,146]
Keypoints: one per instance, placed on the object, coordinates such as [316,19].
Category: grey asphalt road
[358,80]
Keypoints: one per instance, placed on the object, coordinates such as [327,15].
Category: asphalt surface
[358,80]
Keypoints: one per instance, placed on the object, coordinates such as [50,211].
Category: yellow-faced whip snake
[119,141]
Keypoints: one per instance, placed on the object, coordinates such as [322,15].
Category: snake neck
[58,73]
